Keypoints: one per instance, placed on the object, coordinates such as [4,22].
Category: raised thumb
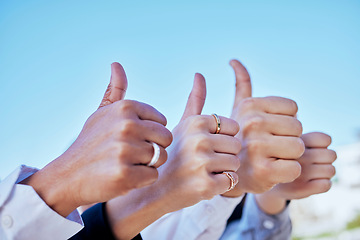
[116,89]
[196,98]
[243,82]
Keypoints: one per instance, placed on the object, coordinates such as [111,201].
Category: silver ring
[156,155]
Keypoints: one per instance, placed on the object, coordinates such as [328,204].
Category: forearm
[129,215]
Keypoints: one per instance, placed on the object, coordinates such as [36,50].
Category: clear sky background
[55,61]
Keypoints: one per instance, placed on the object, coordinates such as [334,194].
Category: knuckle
[261,171]
[328,140]
[120,172]
[238,146]
[254,123]
[235,163]
[298,128]
[332,155]
[168,138]
[325,186]
[201,143]
[248,103]
[266,185]
[152,176]
[123,151]
[299,147]
[293,106]
[234,126]
[125,105]
[295,171]
[144,179]
[163,158]
[199,122]
[127,127]
[332,170]
[254,146]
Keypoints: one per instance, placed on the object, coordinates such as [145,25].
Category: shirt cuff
[256,222]
[24,215]
[269,221]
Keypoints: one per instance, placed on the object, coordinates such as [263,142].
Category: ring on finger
[217,119]
[232,180]
[156,155]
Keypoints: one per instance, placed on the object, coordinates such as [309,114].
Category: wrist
[50,184]
[270,202]
[143,207]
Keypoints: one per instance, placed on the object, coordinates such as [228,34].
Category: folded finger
[284,147]
[316,140]
[155,132]
[318,171]
[224,182]
[272,105]
[284,171]
[225,144]
[221,162]
[318,186]
[227,125]
[147,112]
[318,155]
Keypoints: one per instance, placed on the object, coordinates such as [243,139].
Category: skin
[316,162]
[316,172]
[102,156]
[192,172]
[270,137]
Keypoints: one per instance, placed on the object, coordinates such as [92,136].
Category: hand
[197,156]
[270,136]
[110,155]
[193,171]
[316,172]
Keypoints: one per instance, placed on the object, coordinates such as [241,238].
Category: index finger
[272,105]
[227,126]
[143,111]
[316,140]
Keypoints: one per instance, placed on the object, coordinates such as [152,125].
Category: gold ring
[232,180]
[217,119]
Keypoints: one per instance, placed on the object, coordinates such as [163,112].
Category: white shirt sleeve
[205,220]
[24,215]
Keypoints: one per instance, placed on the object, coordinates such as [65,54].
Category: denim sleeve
[257,225]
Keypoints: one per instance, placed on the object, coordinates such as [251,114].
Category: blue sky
[55,63]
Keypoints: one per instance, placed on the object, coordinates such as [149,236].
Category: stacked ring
[156,155]
[232,180]
[217,119]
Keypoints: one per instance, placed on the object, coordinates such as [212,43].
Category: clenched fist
[316,171]
[110,155]
[270,137]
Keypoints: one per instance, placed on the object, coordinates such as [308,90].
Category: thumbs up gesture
[270,137]
[201,164]
[111,154]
